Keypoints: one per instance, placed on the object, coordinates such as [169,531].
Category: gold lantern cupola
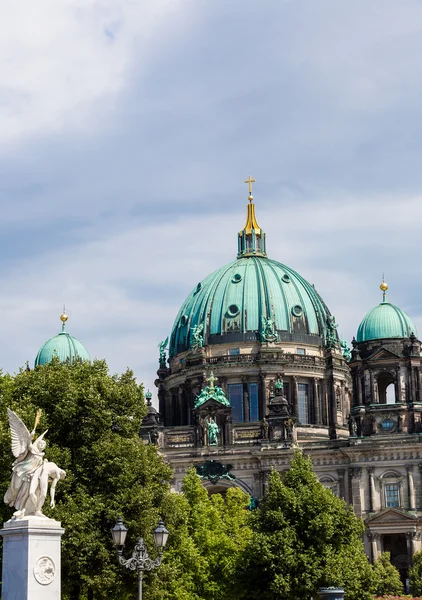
[251,240]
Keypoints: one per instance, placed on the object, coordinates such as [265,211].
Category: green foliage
[93,420]
[211,533]
[415,574]
[304,538]
[386,578]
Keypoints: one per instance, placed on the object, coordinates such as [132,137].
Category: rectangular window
[253,402]
[234,351]
[392,495]
[303,402]
[300,351]
[236,401]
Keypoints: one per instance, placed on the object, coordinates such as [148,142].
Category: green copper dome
[63,346]
[252,298]
[385,321]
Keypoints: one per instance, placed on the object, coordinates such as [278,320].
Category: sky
[127,128]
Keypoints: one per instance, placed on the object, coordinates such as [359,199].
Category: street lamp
[139,559]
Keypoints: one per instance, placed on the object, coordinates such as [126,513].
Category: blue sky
[127,129]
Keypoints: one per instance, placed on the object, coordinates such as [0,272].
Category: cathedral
[254,368]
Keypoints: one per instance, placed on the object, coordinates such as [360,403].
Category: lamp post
[139,559]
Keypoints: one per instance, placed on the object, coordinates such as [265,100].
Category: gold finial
[250,181]
[63,317]
[384,288]
[211,379]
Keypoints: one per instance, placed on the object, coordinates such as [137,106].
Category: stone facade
[357,414]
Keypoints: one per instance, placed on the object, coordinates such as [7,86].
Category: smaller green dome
[385,321]
[63,346]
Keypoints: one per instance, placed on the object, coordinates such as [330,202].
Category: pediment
[384,353]
[391,515]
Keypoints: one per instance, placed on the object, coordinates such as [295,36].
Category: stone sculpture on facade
[162,346]
[268,333]
[197,337]
[347,354]
[331,334]
[31,472]
[211,392]
[213,431]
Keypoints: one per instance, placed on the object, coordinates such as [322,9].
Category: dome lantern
[251,239]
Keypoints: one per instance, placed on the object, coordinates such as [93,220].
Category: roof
[385,321]
[63,346]
[235,302]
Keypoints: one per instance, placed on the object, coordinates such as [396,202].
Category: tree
[386,578]
[415,574]
[304,538]
[211,533]
[93,420]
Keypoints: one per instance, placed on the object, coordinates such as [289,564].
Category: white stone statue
[31,471]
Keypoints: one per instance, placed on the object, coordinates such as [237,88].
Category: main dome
[63,346]
[385,321]
[233,304]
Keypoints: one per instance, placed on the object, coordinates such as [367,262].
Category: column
[263,399]
[317,402]
[410,488]
[374,538]
[295,396]
[418,383]
[246,404]
[355,473]
[342,488]
[371,488]
[372,386]
[411,538]
[179,410]
[397,386]
[359,386]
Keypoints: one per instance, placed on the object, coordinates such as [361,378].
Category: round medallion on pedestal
[44,570]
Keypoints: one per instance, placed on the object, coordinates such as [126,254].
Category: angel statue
[31,472]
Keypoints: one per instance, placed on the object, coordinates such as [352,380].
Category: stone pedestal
[31,559]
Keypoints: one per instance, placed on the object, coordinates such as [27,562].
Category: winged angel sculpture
[31,472]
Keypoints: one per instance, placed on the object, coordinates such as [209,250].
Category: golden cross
[211,379]
[250,181]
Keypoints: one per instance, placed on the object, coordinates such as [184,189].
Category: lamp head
[160,536]
[119,533]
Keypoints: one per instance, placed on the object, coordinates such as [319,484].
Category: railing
[282,357]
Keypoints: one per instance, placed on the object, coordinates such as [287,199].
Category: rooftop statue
[331,335]
[31,472]
[162,346]
[347,354]
[268,332]
[197,337]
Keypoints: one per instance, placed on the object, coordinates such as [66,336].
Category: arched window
[386,388]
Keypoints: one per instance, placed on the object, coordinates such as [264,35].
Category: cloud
[127,129]
[63,64]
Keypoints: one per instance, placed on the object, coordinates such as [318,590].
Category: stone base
[31,559]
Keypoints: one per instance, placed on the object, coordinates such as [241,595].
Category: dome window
[198,288]
[233,310]
[285,278]
[184,320]
[297,310]
[236,278]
